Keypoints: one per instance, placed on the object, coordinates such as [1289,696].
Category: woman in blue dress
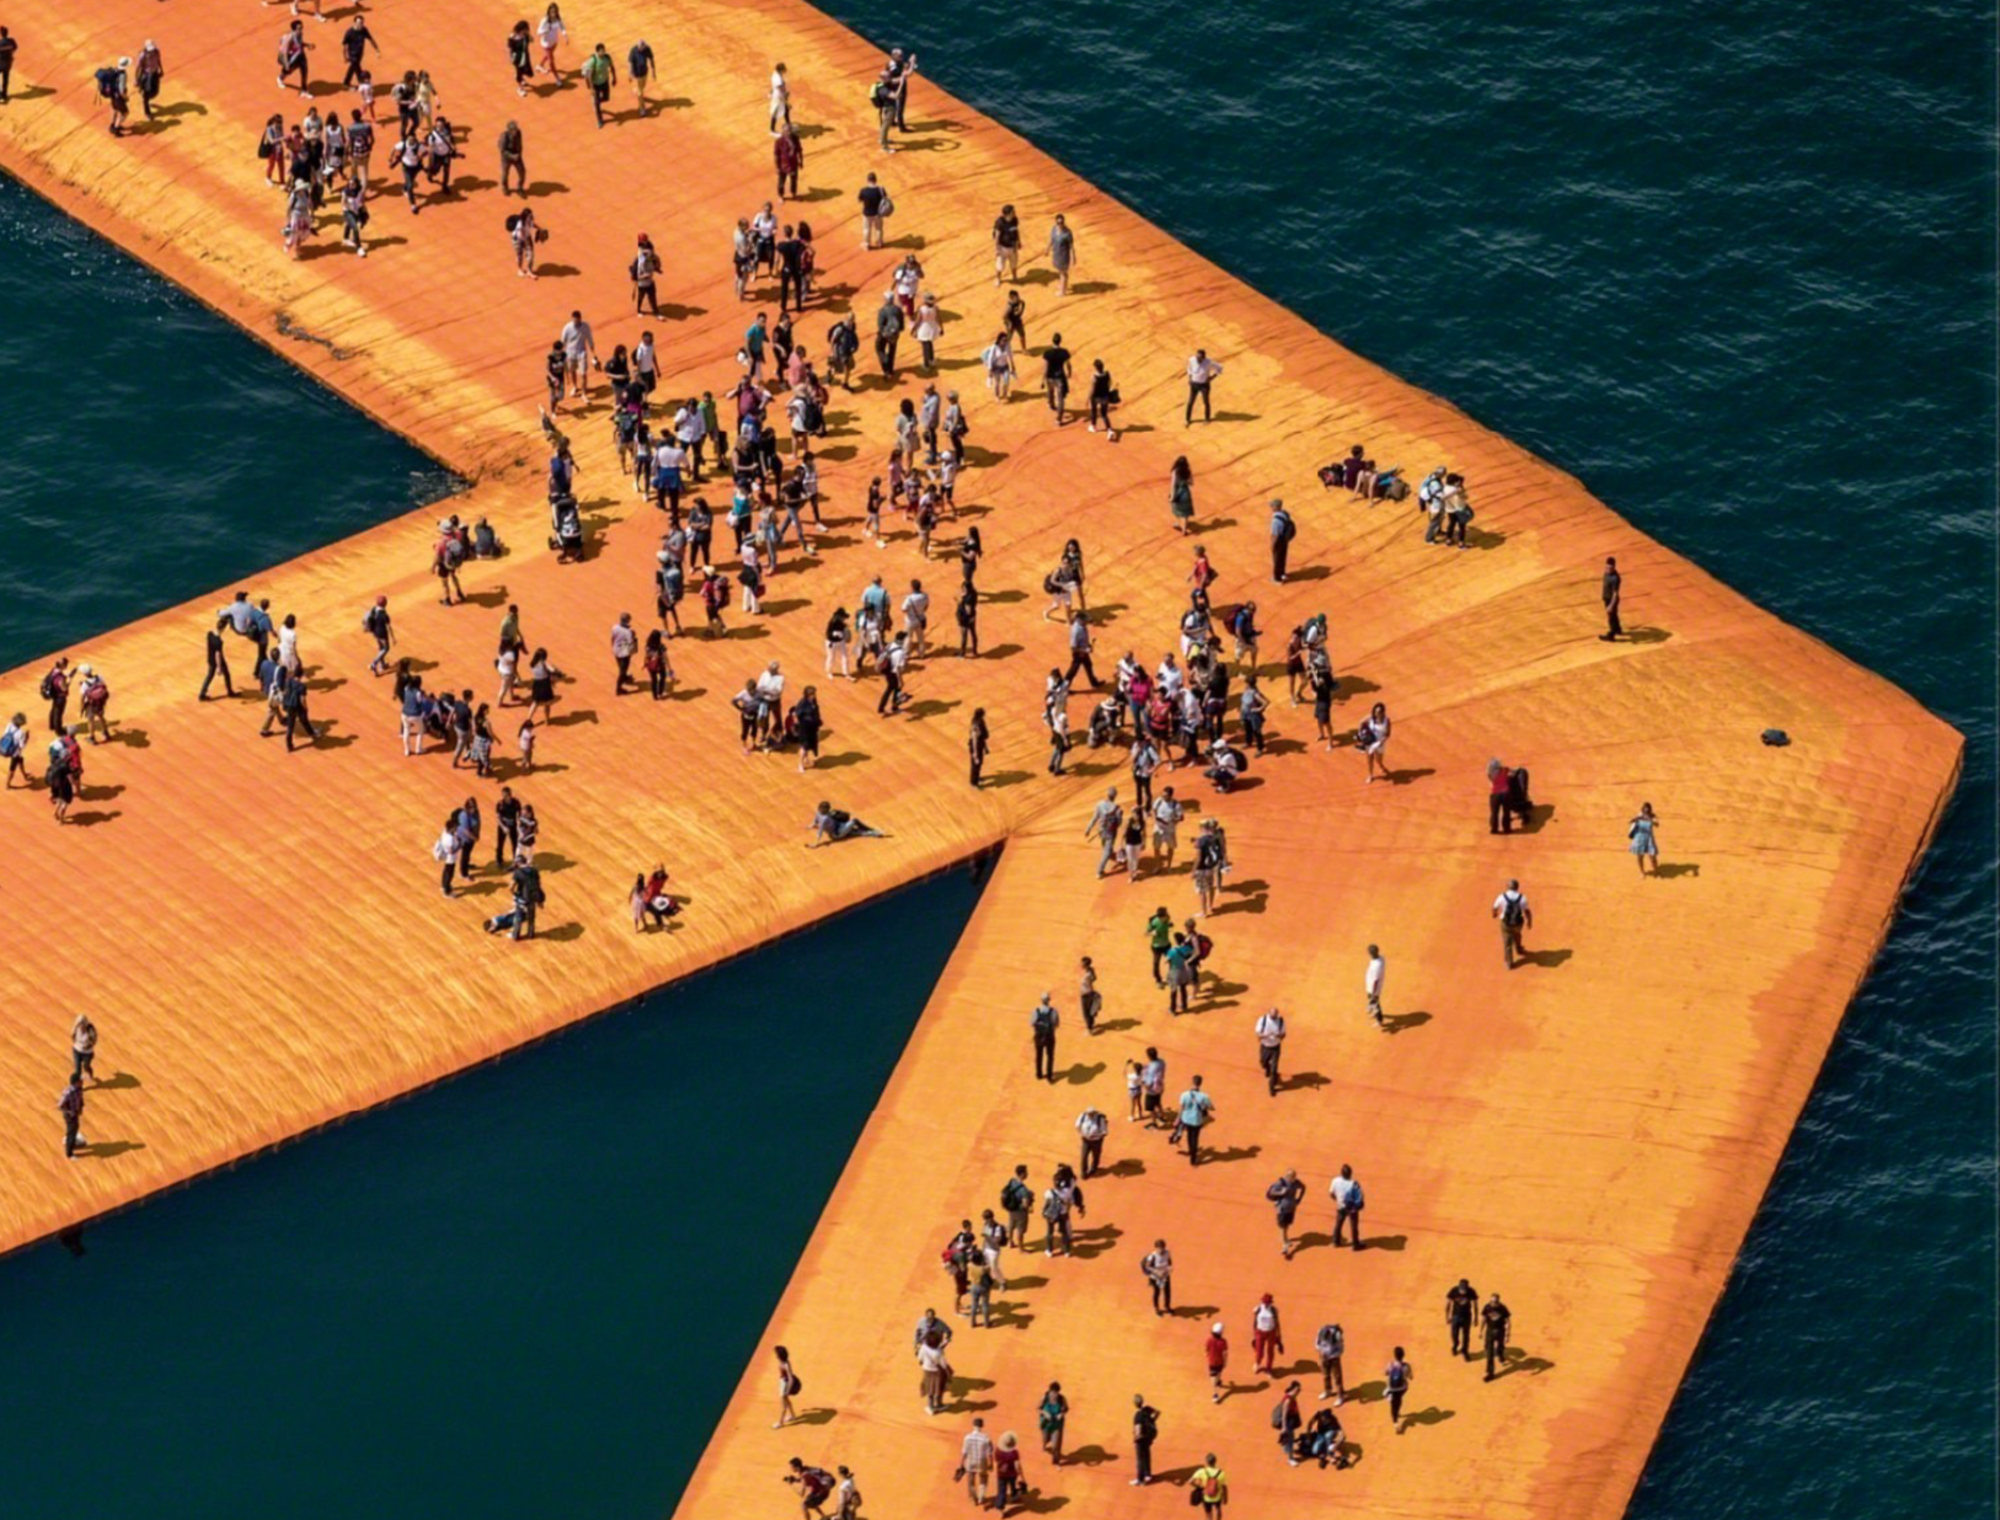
[1643,844]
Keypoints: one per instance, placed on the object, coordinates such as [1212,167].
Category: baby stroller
[566,529]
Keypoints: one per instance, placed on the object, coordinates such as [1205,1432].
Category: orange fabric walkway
[267,950]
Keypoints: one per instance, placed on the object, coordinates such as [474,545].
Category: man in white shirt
[1371,983]
[781,98]
[579,352]
[1270,1040]
[1512,911]
[975,1457]
[916,615]
[1347,1205]
[624,644]
[1201,371]
[1093,1126]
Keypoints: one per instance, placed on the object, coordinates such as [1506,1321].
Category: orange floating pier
[1589,1135]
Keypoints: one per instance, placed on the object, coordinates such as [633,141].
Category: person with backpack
[1016,1199]
[1283,531]
[1211,1486]
[1044,1022]
[1145,1431]
[1511,909]
[1286,1194]
[1396,1380]
[14,747]
[814,1484]
[1287,1421]
[1093,1126]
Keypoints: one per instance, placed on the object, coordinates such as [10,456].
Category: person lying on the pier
[829,824]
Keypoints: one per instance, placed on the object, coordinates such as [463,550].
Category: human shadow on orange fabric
[1548,959]
[1396,1023]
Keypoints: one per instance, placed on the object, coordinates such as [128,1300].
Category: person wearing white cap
[151,71]
[1216,1350]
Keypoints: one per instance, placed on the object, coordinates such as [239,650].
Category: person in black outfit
[1055,370]
[1145,1431]
[1458,1306]
[791,275]
[354,42]
[1495,1320]
[507,822]
[1102,394]
[968,623]
[218,661]
[1612,584]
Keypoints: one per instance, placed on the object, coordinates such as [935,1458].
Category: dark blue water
[1733,268]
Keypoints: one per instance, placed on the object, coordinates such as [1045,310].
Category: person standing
[781,97]
[1158,1266]
[1145,1431]
[150,73]
[1514,915]
[1043,1022]
[1201,373]
[1495,1321]
[1348,1202]
[8,48]
[1371,983]
[1397,1378]
[978,740]
[1215,1355]
[1016,1199]
[624,645]
[1267,1335]
[888,332]
[1285,1195]
[975,1461]
[70,1104]
[1283,531]
[874,199]
[1330,1345]
[1458,1306]
[1270,1042]
[640,66]
[1105,820]
[1645,847]
[83,1049]
[1612,591]
[1197,1111]
[788,154]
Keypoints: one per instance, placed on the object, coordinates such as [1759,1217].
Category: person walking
[14,745]
[1348,1202]
[1145,1431]
[1283,531]
[1396,1380]
[1267,1335]
[1201,374]
[1215,1355]
[1062,253]
[1371,984]
[1055,376]
[1211,1486]
[1459,1304]
[1514,915]
[1092,1126]
[1612,592]
[789,1385]
[1016,1199]
[1270,1043]
[1158,1266]
[1197,1110]
[1052,1417]
[1645,847]
[1009,1480]
[1043,1022]
[978,741]
[975,1461]
[1285,1195]
[1105,821]
[70,1105]
[601,75]
[1079,652]
[218,660]
[1495,1320]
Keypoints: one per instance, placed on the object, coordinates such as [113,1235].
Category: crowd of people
[1201,706]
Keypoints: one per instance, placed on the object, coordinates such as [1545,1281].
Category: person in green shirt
[1160,935]
[600,73]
